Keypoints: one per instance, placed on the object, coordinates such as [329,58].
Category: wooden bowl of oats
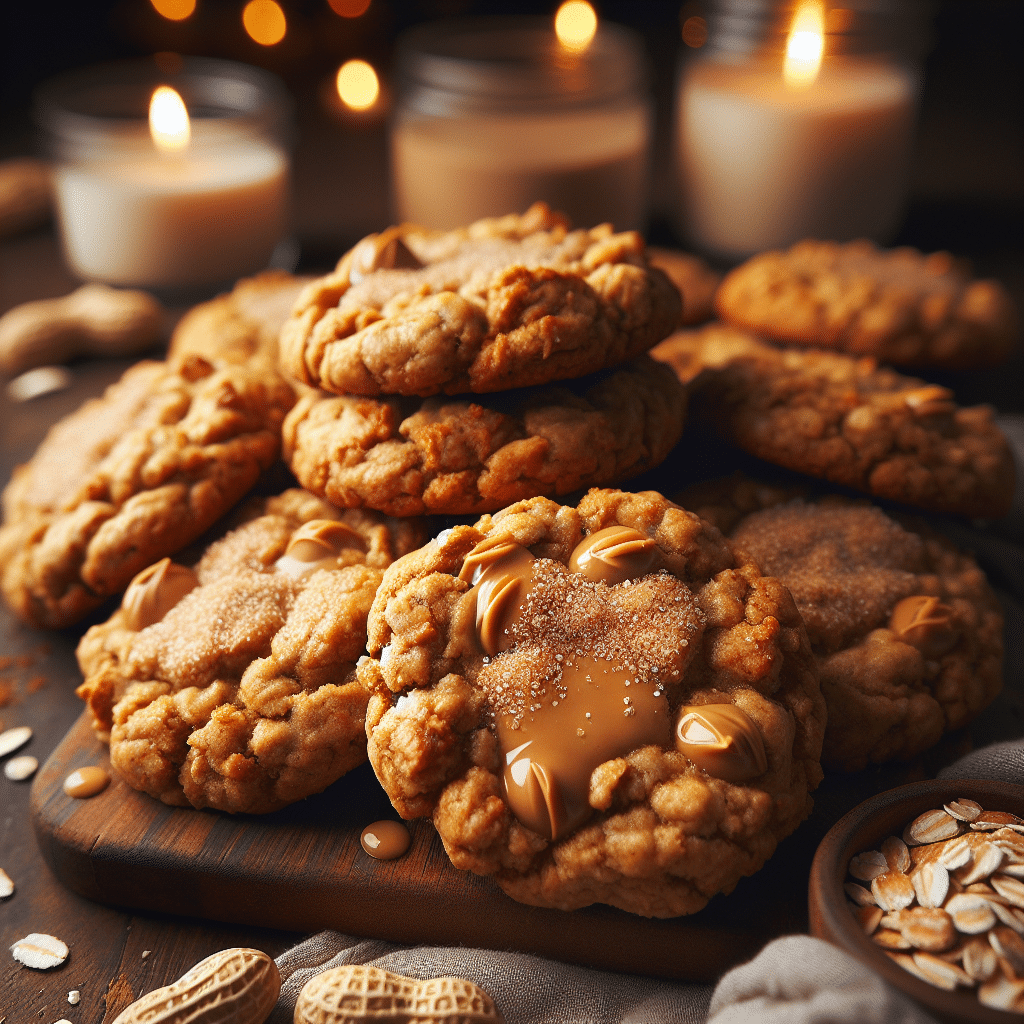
[924,884]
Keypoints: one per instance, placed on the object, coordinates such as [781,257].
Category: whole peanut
[234,986]
[26,194]
[94,320]
[360,994]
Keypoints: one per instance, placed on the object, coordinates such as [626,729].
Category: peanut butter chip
[615,554]
[155,591]
[385,251]
[925,623]
[85,782]
[722,740]
[385,840]
[316,545]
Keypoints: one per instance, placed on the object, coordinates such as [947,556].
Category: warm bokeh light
[168,120]
[575,24]
[349,8]
[804,46]
[695,32]
[264,21]
[174,10]
[357,84]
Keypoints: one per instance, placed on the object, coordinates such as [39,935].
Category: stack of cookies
[460,371]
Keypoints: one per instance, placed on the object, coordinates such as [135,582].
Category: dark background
[968,179]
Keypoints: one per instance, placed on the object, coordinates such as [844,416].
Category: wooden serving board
[303,869]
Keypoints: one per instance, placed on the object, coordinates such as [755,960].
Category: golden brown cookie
[242,324]
[846,420]
[503,303]
[453,456]
[594,704]
[232,685]
[897,305]
[132,476]
[696,281]
[907,631]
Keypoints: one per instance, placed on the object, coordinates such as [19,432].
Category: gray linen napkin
[527,989]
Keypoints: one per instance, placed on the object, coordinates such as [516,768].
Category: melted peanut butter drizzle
[85,782]
[615,554]
[316,545]
[385,840]
[603,711]
[722,740]
[155,591]
[926,623]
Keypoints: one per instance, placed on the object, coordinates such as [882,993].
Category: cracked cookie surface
[456,456]
[654,828]
[131,476]
[846,420]
[907,631]
[504,303]
[233,685]
[898,305]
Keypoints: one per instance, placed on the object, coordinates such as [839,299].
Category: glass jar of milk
[495,114]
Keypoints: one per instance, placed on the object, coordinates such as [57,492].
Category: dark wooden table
[118,955]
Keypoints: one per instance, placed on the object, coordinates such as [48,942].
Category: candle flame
[575,24]
[264,21]
[174,10]
[168,120]
[804,46]
[357,84]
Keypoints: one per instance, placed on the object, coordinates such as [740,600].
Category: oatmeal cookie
[846,420]
[504,303]
[594,704]
[232,685]
[897,305]
[453,456]
[907,631]
[696,281]
[242,324]
[132,476]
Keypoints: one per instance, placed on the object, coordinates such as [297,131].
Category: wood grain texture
[302,869]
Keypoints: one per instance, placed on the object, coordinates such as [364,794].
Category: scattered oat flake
[1009,888]
[40,951]
[971,914]
[6,885]
[1002,994]
[896,854]
[986,860]
[74,996]
[145,953]
[963,809]
[956,853]
[11,739]
[866,866]
[861,896]
[931,827]
[892,890]
[931,884]
[18,769]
